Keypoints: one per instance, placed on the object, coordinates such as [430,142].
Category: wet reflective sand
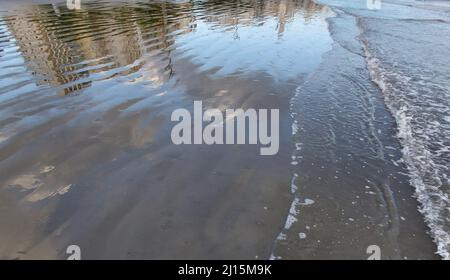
[86,156]
[90,93]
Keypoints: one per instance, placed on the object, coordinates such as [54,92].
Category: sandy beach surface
[86,156]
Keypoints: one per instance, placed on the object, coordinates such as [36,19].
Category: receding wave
[415,90]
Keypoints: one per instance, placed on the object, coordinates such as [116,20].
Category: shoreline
[86,156]
[306,235]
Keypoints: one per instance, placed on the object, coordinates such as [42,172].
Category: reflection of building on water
[3,36]
[45,55]
[158,40]
[73,4]
[234,13]
[72,48]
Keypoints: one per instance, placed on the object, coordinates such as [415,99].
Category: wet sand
[133,194]
[86,156]
[351,188]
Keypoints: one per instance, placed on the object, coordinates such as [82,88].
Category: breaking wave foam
[424,156]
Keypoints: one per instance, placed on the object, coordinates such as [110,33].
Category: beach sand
[86,156]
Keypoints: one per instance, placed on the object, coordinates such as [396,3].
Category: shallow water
[86,97]
[409,62]
[85,153]
[416,89]
[71,49]
[350,188]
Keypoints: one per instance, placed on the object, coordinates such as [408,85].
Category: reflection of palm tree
[282,10]
[236,23]
[167,43]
